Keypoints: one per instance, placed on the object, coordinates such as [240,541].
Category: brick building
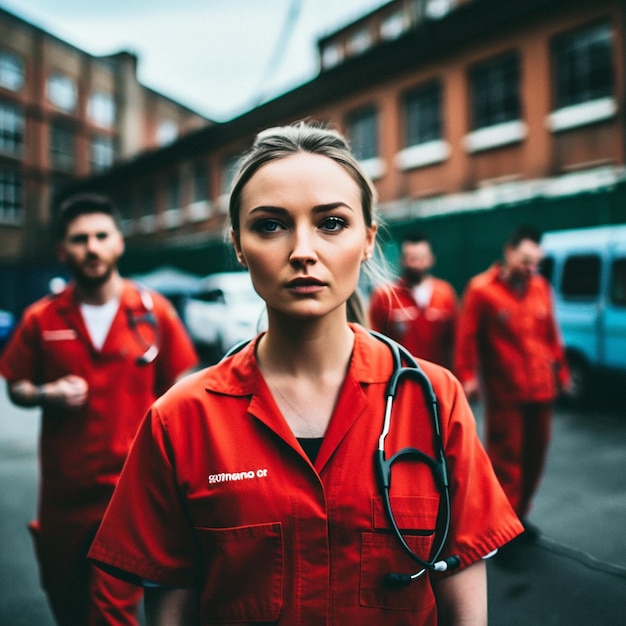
[65,114]
[470,116]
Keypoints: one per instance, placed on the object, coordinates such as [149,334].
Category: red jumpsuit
[427,332]
[218,494]
[513,339]
[82,451]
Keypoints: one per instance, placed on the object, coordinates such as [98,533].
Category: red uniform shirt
[426,332]
[217,492]
[82,451]
[512,337]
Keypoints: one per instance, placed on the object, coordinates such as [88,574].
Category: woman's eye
[267,226]
[333,224]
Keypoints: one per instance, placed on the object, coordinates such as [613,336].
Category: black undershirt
[311,446]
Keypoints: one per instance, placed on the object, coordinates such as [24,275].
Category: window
[102,153]
[581,277]
[11,71]
[394,25]
[10,195]
[360,41]
[11,129]
[583,65]
[363,134]
[167,132]
[423,128]
[617,289]
[494,87]
[438,9]
[62,147]
[422,115]
[332,54]
[101,108]
[62,92]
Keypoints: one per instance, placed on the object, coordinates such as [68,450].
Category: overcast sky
[211,55]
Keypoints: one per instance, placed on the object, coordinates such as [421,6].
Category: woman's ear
[235,239]
[370,242]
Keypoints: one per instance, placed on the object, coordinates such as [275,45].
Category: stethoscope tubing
[437,463]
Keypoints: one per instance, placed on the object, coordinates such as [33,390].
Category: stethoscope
[151,350]
[406,367]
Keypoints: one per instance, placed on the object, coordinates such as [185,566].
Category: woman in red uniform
[251,495]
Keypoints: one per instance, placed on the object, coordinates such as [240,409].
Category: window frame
[425,124]
[579,84]
[362,130]
[62,92]
[12,71]
[101,145]
[62,136]
[101,108]
[498,99]
[11,195]
[581,277]
[12,128]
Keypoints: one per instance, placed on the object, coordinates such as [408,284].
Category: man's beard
[413,277]
[90,283]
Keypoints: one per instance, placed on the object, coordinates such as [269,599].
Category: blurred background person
[507,337]
[93,356]
[418,310]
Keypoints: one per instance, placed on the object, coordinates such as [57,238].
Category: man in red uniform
[94,357]
[507,330]
[419,310]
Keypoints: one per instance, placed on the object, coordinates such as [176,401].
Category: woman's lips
[305,285]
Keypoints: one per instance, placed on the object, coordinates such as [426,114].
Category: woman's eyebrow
[269,209]
[318,208]
[331,206]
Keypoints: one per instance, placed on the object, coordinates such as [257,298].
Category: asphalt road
[575,575]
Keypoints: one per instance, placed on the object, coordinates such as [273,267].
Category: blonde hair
[283,141]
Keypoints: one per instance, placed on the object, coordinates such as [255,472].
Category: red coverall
[514,340]
[82,451]
[425,332]
[218,494]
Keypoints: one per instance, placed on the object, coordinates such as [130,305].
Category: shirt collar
[239,374]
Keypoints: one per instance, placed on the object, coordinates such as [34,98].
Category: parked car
[223,312]
[175,284]
[587,269]
[7,321]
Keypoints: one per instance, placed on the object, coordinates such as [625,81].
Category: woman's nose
[303,249]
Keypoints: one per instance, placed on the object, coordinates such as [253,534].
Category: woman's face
[303,235]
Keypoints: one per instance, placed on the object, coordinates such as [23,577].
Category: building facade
[65,114]
[470,116]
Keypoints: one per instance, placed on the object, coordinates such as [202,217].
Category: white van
[587,269]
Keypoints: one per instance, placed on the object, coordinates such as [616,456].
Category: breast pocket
[242,569]
[382,553]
